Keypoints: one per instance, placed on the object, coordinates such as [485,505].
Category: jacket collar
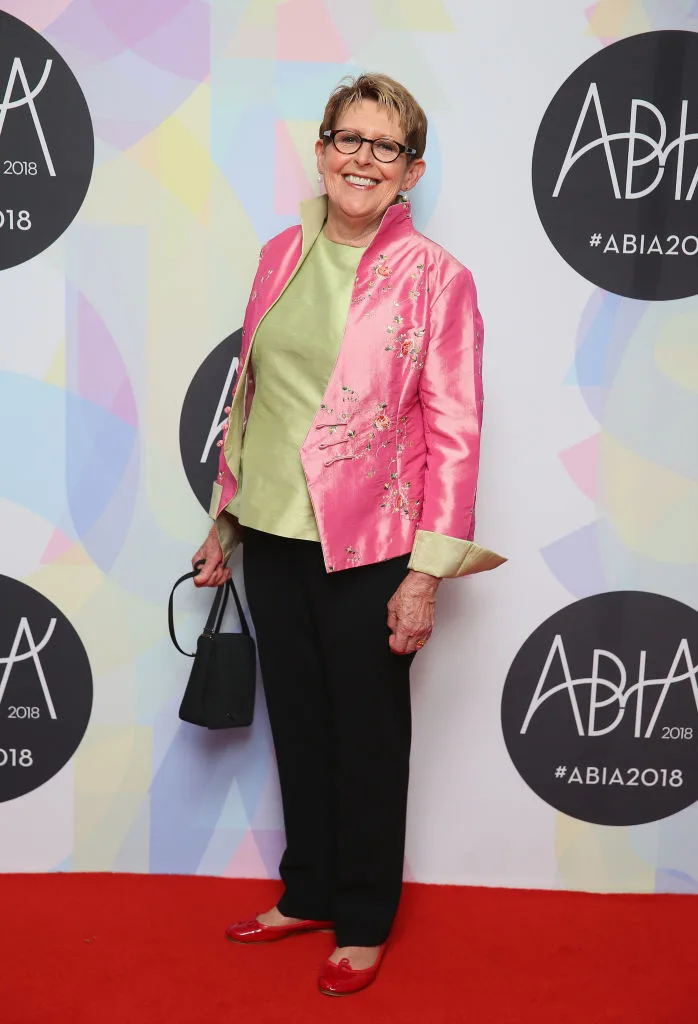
[397,221]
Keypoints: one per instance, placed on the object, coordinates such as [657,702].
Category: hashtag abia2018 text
[592,775]
[644,244]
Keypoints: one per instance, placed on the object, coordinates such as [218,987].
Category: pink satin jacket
[394,447]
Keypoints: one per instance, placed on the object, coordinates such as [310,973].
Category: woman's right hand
[213,572]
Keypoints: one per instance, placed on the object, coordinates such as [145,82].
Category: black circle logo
[46,143]
[45,689]
[600,708]
[615,167]
[204,413]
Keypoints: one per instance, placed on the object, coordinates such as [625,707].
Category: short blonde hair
[387,93]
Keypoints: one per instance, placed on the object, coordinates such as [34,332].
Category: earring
[319,176]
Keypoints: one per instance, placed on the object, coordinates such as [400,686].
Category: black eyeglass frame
[331,132]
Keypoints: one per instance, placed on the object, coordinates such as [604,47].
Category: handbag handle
[215,616]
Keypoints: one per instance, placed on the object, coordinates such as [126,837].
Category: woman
[349,468]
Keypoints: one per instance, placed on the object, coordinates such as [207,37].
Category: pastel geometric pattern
[610,20]
[295,42]
[413,15]
[638,471]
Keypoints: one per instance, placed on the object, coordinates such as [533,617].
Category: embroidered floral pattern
[397,499]
[262,277]
[416,289]
[382,420]
[373,445]
[380,274]
[342,417]
[354,556]
[407,344]
[411,348]
[396,496]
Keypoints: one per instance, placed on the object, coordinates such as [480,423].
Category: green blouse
[294,352]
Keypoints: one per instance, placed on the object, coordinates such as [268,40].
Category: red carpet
[102,949]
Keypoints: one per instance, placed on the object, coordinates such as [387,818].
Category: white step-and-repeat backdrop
[146,151]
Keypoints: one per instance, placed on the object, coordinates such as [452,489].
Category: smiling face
[360,188]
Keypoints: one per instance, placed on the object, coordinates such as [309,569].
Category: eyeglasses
[384,150]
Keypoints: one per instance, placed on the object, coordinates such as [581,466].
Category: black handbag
[221,687]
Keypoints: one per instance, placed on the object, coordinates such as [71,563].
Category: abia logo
[46,143]
[600,708]
[45,689]
[203,416]
[615,167]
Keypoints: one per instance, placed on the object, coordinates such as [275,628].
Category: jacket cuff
[443,556]
[226,528]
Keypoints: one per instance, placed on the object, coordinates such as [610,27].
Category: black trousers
[339,708]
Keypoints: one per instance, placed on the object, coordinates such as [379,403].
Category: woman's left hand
[411,612]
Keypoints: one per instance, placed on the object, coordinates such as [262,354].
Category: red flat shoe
[341,979]
[255,931]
